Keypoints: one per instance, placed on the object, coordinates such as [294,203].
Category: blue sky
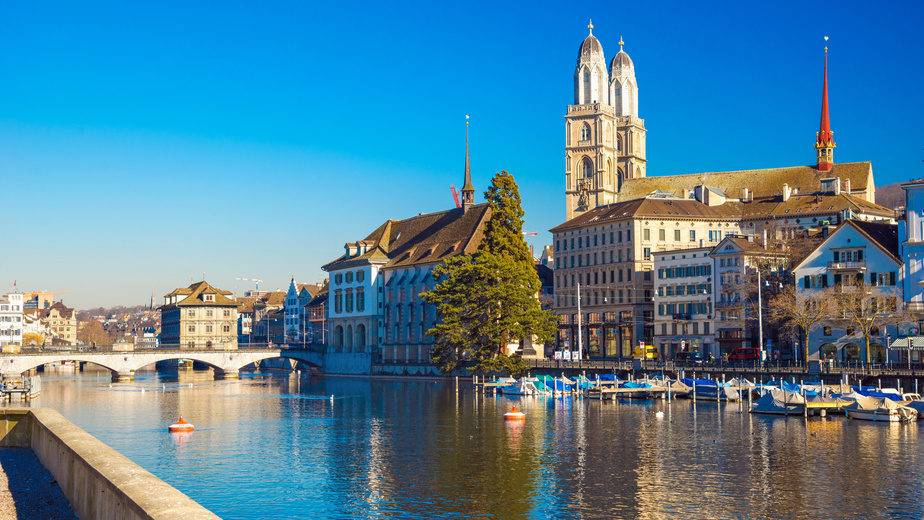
[145,143]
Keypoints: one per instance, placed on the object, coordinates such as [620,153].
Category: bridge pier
[123,375]
[227,373]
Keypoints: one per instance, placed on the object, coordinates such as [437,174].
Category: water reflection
[279,446]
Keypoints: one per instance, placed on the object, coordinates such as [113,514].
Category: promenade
[28,490]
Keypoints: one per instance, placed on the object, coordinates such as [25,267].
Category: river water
[282,446]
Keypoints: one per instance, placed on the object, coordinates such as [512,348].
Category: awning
[902,343]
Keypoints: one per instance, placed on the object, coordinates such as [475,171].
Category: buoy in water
[180,426]
[514,415]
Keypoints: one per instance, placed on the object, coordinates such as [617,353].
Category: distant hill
[892,195]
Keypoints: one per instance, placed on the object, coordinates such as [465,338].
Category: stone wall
[99,482]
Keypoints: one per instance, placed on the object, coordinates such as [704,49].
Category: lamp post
[579,340]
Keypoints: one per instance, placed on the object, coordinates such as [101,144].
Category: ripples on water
[277,446]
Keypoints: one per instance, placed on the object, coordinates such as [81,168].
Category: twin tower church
[605,145]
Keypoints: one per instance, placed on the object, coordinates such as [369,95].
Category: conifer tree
[488,300]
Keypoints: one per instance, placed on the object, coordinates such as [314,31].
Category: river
[276,445]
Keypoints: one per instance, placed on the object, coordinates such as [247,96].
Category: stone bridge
[227,363]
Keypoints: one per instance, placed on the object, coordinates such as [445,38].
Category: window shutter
[808,283]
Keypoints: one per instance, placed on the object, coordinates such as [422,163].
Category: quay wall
[99,482]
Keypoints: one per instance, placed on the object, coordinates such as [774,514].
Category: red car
[744,354]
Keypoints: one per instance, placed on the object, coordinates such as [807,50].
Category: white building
[11,310]
[857,256]
[683,302]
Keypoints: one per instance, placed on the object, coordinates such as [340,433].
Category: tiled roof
[196,290]
[675,209]
[426,238]
[886,235]
[762,183]
[273,298]
[245,304]
[816,204]
[63,311]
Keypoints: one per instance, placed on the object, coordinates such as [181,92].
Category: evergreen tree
[488,300]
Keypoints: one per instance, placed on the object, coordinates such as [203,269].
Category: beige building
[199,317]
[61,321]
[610,251]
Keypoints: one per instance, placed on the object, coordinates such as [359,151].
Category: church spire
[467,191]
[824,142]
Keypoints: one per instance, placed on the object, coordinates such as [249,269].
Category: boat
[778,402]
[880,409]
[180,426]
[514,415]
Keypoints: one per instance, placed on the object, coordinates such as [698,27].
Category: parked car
[744,354]
[692,357]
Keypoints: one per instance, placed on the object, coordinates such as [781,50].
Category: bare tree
[866,307]
[801,310]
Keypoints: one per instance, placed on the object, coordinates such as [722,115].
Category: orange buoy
[180,426]
[514,415]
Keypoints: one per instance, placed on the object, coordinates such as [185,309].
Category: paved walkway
[27,489]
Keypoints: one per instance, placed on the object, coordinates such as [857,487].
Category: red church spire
[824,142]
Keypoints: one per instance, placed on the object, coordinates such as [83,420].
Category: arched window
[587,169]
[618,143]
[338,336]
[349,336]
[585,132]
[609,172]
[360,335]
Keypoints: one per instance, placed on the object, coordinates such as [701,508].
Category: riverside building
[608,192]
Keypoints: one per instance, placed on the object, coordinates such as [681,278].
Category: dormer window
[209,297]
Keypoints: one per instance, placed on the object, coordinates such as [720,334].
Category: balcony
[847,266]
[683,317]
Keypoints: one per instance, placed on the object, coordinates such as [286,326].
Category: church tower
[604,137]
[468,191]
[824,141]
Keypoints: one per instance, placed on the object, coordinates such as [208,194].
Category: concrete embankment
[99,482]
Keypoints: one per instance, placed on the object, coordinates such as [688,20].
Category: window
[349,301]
[338,302]
[661,235]
[208,313]
[646,234]
[191,329]
[692,235]
[338,278]
[646,253]
[580,242]
[208,329]
[349,277]
[588,169]
[226,313]
[676,235]
[585,132]
[360,300]
[360,276]
[191,313]
[226,329]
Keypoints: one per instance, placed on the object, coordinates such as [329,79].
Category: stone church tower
[604,138]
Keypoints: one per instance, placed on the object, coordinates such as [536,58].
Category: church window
[585,132]
[588,168]
[618,140]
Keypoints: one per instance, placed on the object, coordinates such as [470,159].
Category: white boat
[779,402]
[880,409]
[521,387]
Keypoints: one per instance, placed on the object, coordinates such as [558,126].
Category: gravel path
[27,489]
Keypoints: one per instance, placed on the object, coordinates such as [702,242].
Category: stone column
[123,375]
[227,373]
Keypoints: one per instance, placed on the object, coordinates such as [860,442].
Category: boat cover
[699,382]
[631,384]
[775,401]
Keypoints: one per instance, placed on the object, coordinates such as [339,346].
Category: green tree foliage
[488,300]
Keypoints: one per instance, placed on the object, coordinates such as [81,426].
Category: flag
[14,283]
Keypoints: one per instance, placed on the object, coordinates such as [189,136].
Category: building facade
[683,291]
[62,321]
[608,252]
[11,319]
[199,317]
[857,257]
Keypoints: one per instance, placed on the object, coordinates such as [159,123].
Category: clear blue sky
[144,143]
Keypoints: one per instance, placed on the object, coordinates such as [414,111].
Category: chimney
[786,192]
[744,195]
[685,193]
[837,185]
[847,186]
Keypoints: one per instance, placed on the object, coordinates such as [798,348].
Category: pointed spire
[824,141]
[467,191]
